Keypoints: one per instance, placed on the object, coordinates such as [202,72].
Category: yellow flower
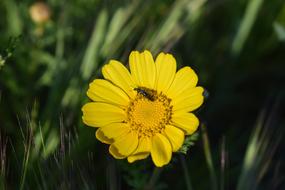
[146,111]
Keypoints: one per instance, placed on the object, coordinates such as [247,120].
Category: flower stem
[186,173]
[153,179]
[208,156]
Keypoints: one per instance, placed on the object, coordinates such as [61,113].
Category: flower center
[149,112]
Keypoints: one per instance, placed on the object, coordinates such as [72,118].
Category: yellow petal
[184,79]
[101,137]
[108,133]
[144,145]
[188,101]
[175,137]
[185,121]
[142,151]
[126,144]
[161,150]
[114,152]
[104,91]
[136,157]
[97,114]
[166,69]
[118,74]
[143,69]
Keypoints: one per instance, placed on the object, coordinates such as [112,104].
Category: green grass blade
[186,173]
[90,59]
[117,25]
[260,150]
[247,177]
[209,159]
[280,31]
[246,25]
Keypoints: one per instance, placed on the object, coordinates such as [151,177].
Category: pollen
[148,117]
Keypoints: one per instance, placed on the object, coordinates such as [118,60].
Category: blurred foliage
[235,46]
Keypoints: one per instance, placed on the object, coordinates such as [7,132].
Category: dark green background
[237,48]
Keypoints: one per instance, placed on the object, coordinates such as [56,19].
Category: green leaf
[188,142]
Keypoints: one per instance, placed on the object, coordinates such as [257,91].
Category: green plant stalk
[25,166]
[2,61]
[252,157]
[208,156]
[42,140]
[186,173]
[14,20]
[153,179]
[223,164]
[260,150]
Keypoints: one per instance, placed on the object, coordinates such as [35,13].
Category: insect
[144,92]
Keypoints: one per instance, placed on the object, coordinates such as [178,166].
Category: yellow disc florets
[149,112]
